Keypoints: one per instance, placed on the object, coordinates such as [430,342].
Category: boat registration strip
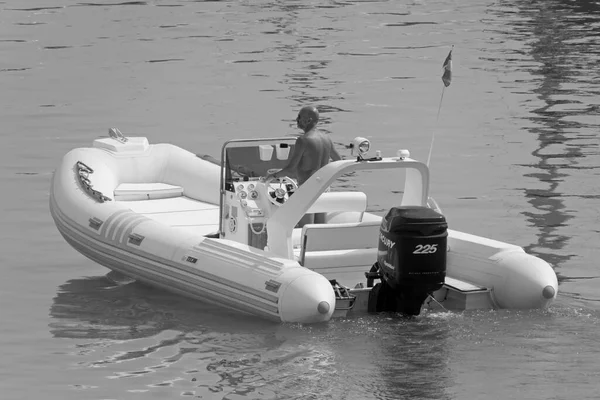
[127,250]
[157,274]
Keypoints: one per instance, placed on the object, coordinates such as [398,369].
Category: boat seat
[146,191]
[339,202]
[339,246]
[340,207]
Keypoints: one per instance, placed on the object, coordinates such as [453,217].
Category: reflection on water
[561,37]
[98,308]
[143,340]
[413,358]
[168,344]
[165,341]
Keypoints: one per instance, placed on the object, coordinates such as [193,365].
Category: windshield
[244,163]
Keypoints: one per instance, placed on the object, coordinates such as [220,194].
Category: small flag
[447,76]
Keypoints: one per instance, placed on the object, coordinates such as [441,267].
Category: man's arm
[333,154]
[291,168]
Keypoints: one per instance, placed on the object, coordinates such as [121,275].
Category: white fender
[529,281]
[308,298]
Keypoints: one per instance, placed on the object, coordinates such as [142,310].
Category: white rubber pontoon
[163,216]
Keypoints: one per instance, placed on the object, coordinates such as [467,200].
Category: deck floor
[180,213]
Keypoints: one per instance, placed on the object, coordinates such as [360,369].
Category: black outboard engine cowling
[411,258]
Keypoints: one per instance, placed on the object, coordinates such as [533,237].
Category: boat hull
[217,271]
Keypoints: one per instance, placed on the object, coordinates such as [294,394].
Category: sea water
[514,157]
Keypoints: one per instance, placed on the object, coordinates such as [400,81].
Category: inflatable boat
[220,232]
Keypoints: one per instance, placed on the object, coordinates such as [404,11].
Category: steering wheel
[279,195]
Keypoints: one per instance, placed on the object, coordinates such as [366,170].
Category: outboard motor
[411,261]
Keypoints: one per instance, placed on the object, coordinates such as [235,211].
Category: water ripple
[165,60]
[14,69]
[35,9]
[132,355]
[364,54]
[125,3]
[194,37]
[410,23]
[172,26]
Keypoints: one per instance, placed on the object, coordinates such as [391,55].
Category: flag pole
[436,121]
[447,79]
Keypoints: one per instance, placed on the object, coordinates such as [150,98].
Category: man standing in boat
[312,151]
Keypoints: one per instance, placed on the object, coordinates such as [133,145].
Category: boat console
[248,199]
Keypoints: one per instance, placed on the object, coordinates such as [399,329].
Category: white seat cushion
[339,245]
[339,201]
[146,191]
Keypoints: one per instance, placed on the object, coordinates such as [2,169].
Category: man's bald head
[308,117]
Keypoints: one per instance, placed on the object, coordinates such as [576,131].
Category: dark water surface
[515,158]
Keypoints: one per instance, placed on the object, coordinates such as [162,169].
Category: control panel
[251,196]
